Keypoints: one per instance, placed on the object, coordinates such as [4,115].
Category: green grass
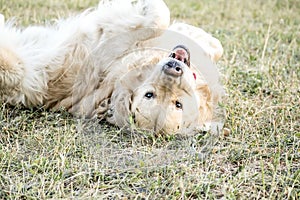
[47,155]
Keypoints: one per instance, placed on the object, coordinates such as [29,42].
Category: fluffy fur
[106,61]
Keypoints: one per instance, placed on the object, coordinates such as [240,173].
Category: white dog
[121,62]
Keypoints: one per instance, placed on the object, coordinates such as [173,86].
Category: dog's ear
[211,114]
[205,103]
[120,103]
[120,107]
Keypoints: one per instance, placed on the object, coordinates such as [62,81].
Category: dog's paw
[152,5]
[156,10]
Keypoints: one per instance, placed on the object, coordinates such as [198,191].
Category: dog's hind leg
[11,75]
[15,81]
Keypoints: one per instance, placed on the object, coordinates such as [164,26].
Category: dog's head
[166,95]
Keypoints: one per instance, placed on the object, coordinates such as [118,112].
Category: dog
[121,62]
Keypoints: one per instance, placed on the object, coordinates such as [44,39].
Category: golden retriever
[121,62]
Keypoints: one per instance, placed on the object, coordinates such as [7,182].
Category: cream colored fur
[103,61]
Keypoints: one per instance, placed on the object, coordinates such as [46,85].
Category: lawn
[47,155]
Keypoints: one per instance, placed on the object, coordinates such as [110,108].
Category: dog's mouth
[181,53]
[174,67]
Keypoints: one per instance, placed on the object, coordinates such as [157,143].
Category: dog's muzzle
[173,68]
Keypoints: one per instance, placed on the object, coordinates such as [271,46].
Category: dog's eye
[149,95]
[178,105]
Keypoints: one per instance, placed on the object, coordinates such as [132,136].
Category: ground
[53,155]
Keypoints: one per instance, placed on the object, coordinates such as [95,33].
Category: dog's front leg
[99,38]
[122,24]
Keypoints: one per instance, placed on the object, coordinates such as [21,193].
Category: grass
[46,155]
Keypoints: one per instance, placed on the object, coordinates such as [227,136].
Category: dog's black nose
[173,68]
